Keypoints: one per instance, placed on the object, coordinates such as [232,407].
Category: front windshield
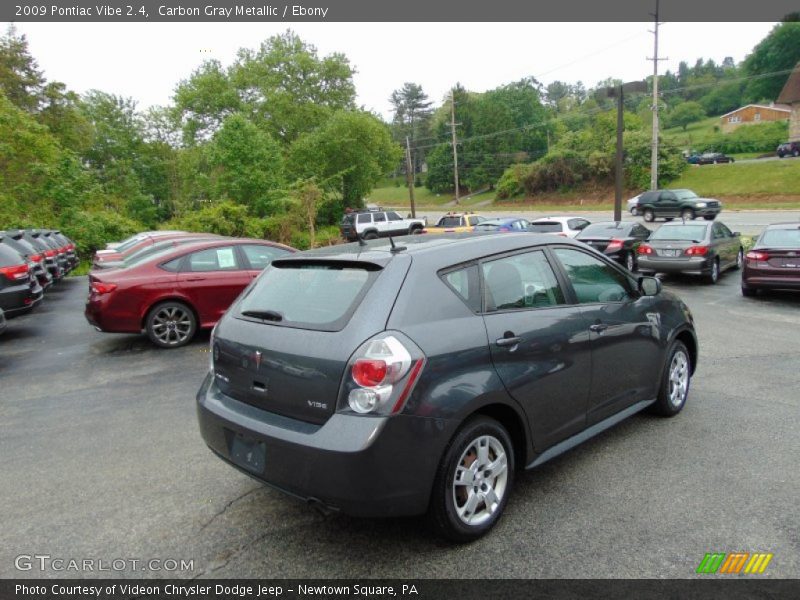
[685,233]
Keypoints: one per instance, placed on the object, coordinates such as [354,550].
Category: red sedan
[179,290]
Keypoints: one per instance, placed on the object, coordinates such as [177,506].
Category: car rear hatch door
[284,346]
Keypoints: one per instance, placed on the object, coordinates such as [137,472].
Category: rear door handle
[195,279]
[598,327]
[508,341]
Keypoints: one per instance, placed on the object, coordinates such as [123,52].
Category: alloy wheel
[630,262]
[172,325]
[678,379]
[480,480]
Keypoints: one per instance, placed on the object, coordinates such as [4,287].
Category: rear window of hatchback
[319,295]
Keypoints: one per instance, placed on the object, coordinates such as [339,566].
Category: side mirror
[649,286]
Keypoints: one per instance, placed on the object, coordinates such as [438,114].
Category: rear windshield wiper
[267,315]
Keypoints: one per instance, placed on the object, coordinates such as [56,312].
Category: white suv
[371,224]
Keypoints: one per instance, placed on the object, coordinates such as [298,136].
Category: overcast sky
[147,60]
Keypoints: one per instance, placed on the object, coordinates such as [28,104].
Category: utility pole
[410,178]
[618,161]
[655,59]
[455,147]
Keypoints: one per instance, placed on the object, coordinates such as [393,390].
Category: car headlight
[700,204]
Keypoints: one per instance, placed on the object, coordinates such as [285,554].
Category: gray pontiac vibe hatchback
[417,375]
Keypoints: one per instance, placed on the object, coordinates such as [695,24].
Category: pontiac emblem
[258,359]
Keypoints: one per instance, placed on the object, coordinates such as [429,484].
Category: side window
[365,218]
[521,281]
[213,259]
[577,223]
[592,279]
[716,232]
[393,216]
[668,196]
[641,232]
[725,231]
[379,217]
[259,256]
[474,220]
[173,265]
[464,282]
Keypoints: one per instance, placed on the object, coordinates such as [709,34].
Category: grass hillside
[762,178]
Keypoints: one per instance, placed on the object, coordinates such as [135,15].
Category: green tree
[288,89]
[20,78]
[686,113]
[779,51]
[203,101]
[247,164]
[411,118]
[353,149]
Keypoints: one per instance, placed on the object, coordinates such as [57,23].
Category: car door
[540,345]
[380,222]
[668,205]
[725,244]
[624,331]
[395,224]
[212,279]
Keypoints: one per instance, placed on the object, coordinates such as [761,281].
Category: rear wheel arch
[180,299]
[513,423]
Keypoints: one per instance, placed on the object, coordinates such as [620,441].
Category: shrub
[91,231]
[510,182]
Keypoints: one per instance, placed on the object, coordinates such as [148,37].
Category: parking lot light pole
[618,92]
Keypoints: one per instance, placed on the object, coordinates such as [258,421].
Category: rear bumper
[19,302]
[772,283]
[362,466]
[700,265]
[100,314]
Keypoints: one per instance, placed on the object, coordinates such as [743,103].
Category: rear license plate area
[248,454]
[670,253]
[790,263]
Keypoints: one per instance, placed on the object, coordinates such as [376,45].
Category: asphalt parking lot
[102,459]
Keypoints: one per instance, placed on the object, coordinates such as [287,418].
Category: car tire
[635,211]
[649,215]
[713,275]
[370,235]
[630,261]
[675,381]
[749,292]
[739,259]
[687,214]
[170,324]
[710,217]
[795,153]
[464,486]
[415,230]
[669,219]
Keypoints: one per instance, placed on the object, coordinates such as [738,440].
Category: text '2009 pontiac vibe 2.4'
[415,375]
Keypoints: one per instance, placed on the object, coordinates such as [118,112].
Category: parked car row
[171,284]
[31,260]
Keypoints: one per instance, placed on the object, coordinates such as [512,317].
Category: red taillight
[614,244]
[757,256]
[697,251]
[37,258]
[369,372]
[412,379]
[70,246]
[645,249]
[16,272]
[50,253]
[98,287]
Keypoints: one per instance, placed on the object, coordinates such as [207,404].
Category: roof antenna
[395,249]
